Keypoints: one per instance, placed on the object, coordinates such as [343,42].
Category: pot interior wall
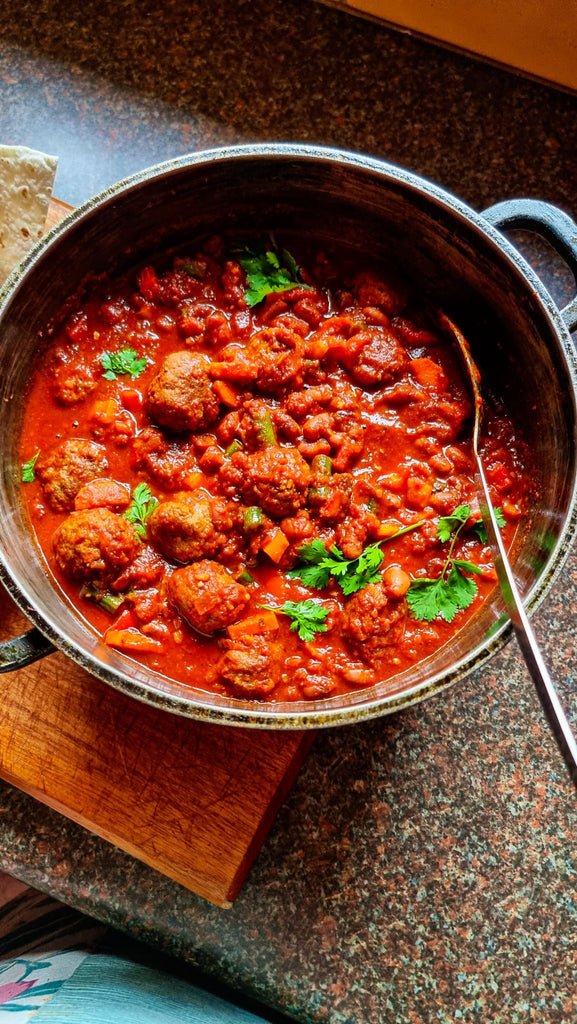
[440,249]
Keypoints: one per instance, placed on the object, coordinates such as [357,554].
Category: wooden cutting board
[192,800]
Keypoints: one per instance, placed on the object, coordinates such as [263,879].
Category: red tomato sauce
[256,427]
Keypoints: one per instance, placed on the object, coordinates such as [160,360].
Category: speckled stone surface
[424,867]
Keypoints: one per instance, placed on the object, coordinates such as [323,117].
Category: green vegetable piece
[265,429]
[309,617]
[351,574]
[268,271]
[253,517]
[140,508]
[245,577]
[479,528]
[123,363]
[234,446]
[106,599]
[28,469]
[322,464]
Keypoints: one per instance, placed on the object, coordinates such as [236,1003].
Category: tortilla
[26,181]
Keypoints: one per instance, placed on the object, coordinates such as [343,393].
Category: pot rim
[320,713]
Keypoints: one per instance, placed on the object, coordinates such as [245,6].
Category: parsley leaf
[479,528]
[448,524]
[309,617]
[28,475]
[452,591]
[122,363]
[268,271]
[141,506]
[443,597]
[351,574]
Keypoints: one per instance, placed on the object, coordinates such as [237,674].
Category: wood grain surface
[190,799]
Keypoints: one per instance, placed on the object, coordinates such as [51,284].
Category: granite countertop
[423,868]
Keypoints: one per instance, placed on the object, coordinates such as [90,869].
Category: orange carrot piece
[132,640]
[102,493]
[125,620]
[428,373]
[104,410]
[227,394]
[276,546]
[388,528]
[193,481]
[265,622]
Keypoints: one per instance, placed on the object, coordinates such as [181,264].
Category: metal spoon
[513,603]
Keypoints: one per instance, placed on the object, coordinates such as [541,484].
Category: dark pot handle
[23,650]
[549,222]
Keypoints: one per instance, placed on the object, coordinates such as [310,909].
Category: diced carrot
[105,410]
[126,620]
[193,481]
[265,622]
[388,529]
[276,546]
[418,491]
[227,394]
[132,640]
[428,373]
[131,399]
[102,493]
[239,370]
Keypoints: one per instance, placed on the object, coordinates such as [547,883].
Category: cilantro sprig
[453,590]
[123,363]
[479,528]
[351,574]
[267,271]
[309,617]
[140,508]
[28,469]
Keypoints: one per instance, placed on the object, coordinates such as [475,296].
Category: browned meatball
[372,622]
[207,595]
[192,527]
[276,479]
[277,353]
[247,667]
[65,469]
[167,462]
[181,397]
[381,359]
[94,545]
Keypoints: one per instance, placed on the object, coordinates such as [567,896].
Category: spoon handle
[525,636]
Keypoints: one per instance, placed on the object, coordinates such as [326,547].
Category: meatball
[190,528]
[207,595]
[181,397]
[373,622]
[167,462]
[94,545]
[381,359]
[276,479]
[278,355]
[65,469]
[246,667]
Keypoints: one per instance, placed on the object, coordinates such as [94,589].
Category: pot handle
[549,222]
[23,650]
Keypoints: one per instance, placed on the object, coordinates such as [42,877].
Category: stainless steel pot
[456,257]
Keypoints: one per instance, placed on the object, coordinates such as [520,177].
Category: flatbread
[26,182]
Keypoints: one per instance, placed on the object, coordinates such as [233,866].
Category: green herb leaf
[351,574]
[309,617]
[107,600]
[479,528]
[140,508]
[28,475]
[448,524]
[453,591]
[123,363]
[268,271]
[443,597]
